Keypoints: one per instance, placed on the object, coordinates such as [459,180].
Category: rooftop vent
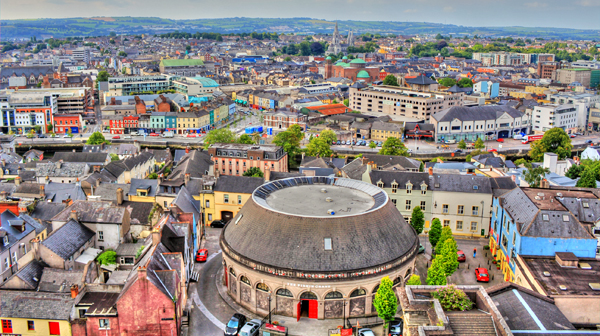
[323,190]
[559,194]
[595,286]
[331,212]
[585,266]
[537,198]
[546,273]
[329,199]
[562,287]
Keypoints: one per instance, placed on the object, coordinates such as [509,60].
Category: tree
[122,54]
[108,257]
[37,128]
[468,158]
[372,145]
[587,179]
[452,298]
[479,144]
[520,161]
[96,139]
[435,231]
[49,128]
[446,233]
[321,146]
[346,102]
[288,59]
[462,144]
[574,171]
[465,82]
[449,255]
[393,146]
[556,141]
[328,135]
[448,82]
[153,176]
[390,80]
[534,176]
[102,76]
[417,220]
[114,157]
[245,139]
[316,48]
[254,172]
[290,141]
[414,280]
[436,274]
[221,135]
[386,302]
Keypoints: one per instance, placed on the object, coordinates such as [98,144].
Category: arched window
[245,280]
[397,281]
[308,296]
[408,273]
[358,292]
[284,292]
[261,286]
[333,295]
[375,289]
[232,272]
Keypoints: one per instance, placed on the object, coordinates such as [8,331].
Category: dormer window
[409,188]
[5,240]
[394,187]
[380,184]
[423,189]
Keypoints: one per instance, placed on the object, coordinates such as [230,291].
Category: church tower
[350,41]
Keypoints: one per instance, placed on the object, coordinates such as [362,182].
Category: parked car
[127,137]
[251,328]
[458,151]
[461,256]
[39,136]
[365,332]
[202,255]
[154,134]
[192,135]
[338,142]
[217,223]
[451,141]
[482,274]
[589,141]
[573,135]
[66,135]
[396,327]
[421,248]
[133,133]
[492,150]
[500,140]
[116,137]
[235,324]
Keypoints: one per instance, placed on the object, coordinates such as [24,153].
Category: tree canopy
[221,135]
[390,80]
[321,145]
[465,82]
[534,176]
[435,231]
[555,140]
[290,141]
[417,220]
[245,139]
[96,139]
[254,172]
[448,82]
[393,146]
[385,301]
[436,274]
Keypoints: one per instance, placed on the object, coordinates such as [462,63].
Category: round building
[314,245]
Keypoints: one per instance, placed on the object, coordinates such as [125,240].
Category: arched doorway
[308,305]
[226,216]
[358,302]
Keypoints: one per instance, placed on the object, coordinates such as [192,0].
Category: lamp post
[269,308]
[344,309]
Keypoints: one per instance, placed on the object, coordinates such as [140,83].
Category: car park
[251,328]
[482,274]
[202,255]
[235,324]
[461,256]
[217,223]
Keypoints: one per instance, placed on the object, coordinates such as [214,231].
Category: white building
[583,102]
[591,153]
[550,116]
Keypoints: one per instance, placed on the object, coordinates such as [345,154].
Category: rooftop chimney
[142,273]
[73,215]
[430,170]
[186,178]
[119,196]
[187,149]
[17,181]
[74,291]
[156,235]
[267,174]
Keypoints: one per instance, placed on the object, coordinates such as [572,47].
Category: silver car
[251,328]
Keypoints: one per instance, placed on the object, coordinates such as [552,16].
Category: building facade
[235,159]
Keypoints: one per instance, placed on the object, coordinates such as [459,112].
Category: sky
[581,14]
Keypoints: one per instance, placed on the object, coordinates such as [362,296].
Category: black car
[458,151]
[396,327]
[235,324]
[218,223]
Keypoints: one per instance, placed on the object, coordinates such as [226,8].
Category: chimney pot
[73,215]
[119,196]
[74,291]
[156,235]
[430,170]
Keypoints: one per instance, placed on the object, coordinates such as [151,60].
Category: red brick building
[64,122]
[283,119]
[354,70]
[235,159]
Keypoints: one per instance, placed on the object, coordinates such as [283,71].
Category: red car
[482,275]
[461,256]
[500,140]
[116,137]
[191,135]
[154,134]
[492,150]
[202,255]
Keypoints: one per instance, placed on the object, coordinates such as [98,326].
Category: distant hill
[99,26]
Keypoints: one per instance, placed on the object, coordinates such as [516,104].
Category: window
[504,241]
[100,235]
[239,199]
[358,292]
[104,324]
[127,260]
[210,217]
[473,226]
[14,258]
[409,188]
[208,204]
[545,217]
[30,325]
[6,264]
[327,243]
[333,295]
[394,201]
[446,222]
[380,184]
[262,287]
[461,210]
[81,312]
[423,205]
[54,328]
[514,238]
[408,204]
[565,218]
[245,280]
[475,211]
[284,292]
[394,187]
[226,198]
[423,189]
[7,326]
[459,225]
[445,208]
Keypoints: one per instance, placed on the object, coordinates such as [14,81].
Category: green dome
[363,74]
[342,64]
[358,61]
[345,57]
[328,57]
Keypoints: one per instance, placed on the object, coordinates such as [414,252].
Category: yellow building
[187,122]
[539,90]
[35,313]
[380,131]
[519,94]
[143,190]
[230,195]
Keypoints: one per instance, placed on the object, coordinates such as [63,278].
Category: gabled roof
[35,305]
[68,239]
[462,183]
[238,184]
[93,212]
[476,113]
[30,274]
[85,157]
[402,178]
[146,184]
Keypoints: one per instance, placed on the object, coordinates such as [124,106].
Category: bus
[532,137]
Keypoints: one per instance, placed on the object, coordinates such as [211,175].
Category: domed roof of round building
[319,224]
[363,74]
[345,57]
[328,57]
[358,61]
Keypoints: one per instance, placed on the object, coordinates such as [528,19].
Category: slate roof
[501,185]
[139,211]
[378,237]
[487,112]
[282,175]
[93,212]
[143,184]
[35,305]
[100,303]
[81,157]
[15,235]
[186,202]
[421,80]
[67,169]
[238,184]
[59,280]
[108,191]
[462,183]
[196,163]
[161,155]
[402,178]
[38,227]
[128,249]
[58,192]
[68,239]
[355,169]
[31,274]
[44,211]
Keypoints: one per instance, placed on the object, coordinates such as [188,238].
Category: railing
[364,321]
[267,318]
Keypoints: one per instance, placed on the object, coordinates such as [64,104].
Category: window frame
[445,208]
[475,210]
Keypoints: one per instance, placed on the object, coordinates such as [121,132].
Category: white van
[452,141]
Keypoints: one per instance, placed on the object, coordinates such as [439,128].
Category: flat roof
[576,279]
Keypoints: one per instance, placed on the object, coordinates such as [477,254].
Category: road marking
[208,314]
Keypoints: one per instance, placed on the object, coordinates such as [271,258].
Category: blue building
[541,222]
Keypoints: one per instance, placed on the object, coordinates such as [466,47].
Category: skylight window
[545,217]
[565,218]
[328,246]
